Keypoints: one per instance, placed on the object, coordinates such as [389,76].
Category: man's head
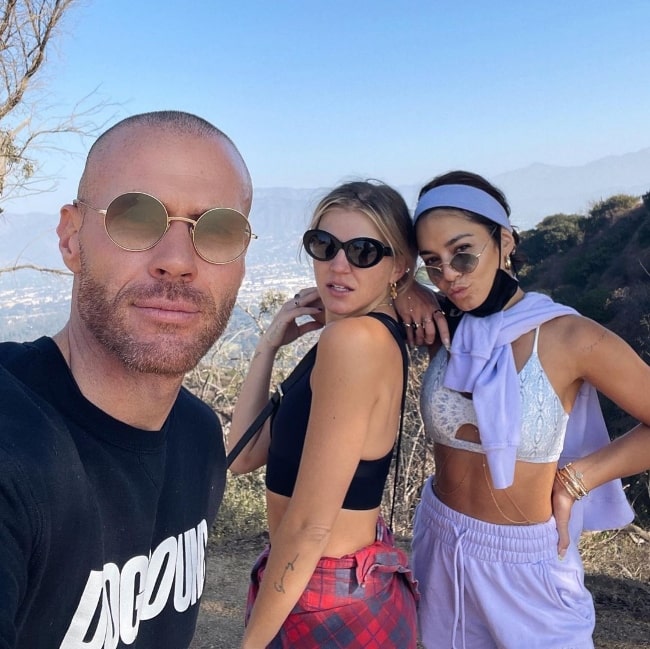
[156,310]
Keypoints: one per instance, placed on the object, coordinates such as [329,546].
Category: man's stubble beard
[173,355]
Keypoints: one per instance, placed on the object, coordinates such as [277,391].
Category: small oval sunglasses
[362,252]
[462,262]
[136,221]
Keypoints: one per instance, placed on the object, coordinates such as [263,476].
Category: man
[111,474]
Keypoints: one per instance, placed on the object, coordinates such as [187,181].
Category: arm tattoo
[593,345]
[290,566]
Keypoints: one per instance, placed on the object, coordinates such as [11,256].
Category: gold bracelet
[568,487]
[571,480]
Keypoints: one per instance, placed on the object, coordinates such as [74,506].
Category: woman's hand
[562,502]
[284,329]
[422,316]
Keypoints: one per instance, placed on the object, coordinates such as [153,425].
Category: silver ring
[426,321]
[296,302]
[414,325]
[296,296]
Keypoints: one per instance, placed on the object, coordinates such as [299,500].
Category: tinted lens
[320,245]
[136,221]
[464,262]
[221,235]
[461,262]
[363,252]
[423,275]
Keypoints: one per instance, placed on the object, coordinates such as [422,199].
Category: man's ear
[70,221]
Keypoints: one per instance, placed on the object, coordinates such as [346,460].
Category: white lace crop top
[544,420]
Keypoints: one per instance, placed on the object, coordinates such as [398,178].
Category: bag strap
[306,362]
[400,339]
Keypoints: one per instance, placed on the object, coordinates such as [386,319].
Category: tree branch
[41,269]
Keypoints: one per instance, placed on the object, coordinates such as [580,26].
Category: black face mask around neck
[503,288]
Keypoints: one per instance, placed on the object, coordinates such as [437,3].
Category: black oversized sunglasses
[137,221]
[362,252]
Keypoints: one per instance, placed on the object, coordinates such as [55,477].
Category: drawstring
[459,589]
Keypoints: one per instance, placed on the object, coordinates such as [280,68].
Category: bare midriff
[352,529]
[463,483]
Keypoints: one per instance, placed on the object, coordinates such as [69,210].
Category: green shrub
[594,304]
[613,205]
[643,233]
[646,201]
[555,234]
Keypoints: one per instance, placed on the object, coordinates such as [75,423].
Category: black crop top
[288,430]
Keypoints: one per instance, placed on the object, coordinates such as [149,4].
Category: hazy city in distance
[35,303]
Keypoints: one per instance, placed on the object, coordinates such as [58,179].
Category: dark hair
[461,177]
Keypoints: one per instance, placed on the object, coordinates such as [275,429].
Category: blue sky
[316,92]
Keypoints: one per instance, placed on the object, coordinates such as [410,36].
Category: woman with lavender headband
[518,436]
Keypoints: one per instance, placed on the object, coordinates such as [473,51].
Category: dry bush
[218,381]
[415,456]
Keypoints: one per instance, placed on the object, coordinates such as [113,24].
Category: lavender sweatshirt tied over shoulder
[481,363]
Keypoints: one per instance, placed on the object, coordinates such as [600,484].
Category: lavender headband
[463,197]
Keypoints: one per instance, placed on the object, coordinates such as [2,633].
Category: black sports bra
[288,430]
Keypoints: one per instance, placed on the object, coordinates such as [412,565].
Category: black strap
[306,362]
[272,404]
[399,335]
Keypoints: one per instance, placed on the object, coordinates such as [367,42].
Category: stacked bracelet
[571,480]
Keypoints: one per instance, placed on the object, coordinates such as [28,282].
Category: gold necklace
[525,520]
[440,471]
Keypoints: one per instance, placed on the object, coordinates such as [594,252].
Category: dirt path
[618,575]
[221,618]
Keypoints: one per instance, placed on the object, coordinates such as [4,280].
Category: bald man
[111,473]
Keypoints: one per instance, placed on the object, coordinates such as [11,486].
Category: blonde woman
[331,576]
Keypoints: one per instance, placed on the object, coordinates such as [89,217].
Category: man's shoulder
[188,402]
[11,350]
[27,421]
[194,419]
[17,356]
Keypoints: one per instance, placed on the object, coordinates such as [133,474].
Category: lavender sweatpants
[486,586]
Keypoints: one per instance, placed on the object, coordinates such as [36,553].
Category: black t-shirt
[103,527]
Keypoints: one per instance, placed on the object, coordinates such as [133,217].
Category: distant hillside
[539,190]
[599,264]
[280,214]
[533,192]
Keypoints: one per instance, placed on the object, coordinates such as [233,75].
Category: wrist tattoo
[290,566]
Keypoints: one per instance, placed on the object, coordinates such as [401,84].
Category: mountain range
[280,214]
[32,303]
[541,190]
